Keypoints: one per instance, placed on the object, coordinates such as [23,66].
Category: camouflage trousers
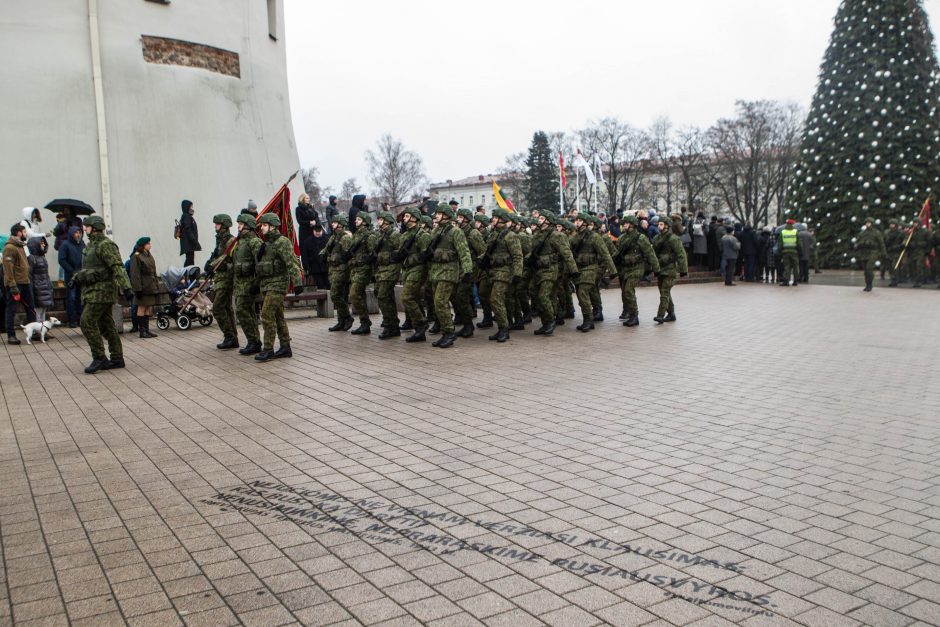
[596,301]
[247,317]
[97,325]
[338,291]
[666,304]
[357,298]
[412,298]
[543,298]
[501,302]
[443,295]
[385,293]
[587,286]
[521,290]
[222,308]
[484,290]
[272,319]
[915,268]
[628,283]
[791,263]
[463,309]
[563,294]
[429,305]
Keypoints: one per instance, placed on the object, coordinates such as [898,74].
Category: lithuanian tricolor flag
[503,203]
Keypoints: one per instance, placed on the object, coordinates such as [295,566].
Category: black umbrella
[78,207]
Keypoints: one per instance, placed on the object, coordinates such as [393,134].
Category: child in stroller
[189,302]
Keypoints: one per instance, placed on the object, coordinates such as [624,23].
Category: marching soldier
[276,268]
[335,254]
[917,250]
[672,261]
[520,289]
[359,257]
[414,273]
[428,224]
[220,267]
[894,244]
[871,250]
[246,286]
[486,287]
[502,262]
[634,257]
[464,310]
[387,271]
[101,275]
[449,257]
[480,224]
[593,258]
[565,308]
[551,255]
[596,302]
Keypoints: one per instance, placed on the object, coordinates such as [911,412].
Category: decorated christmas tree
[871,145]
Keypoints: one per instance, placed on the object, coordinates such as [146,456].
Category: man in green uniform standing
[790,249]
[502,262]
[593,258]
[672,262]
[387,271]
[101,276]
[335,253]
[551,255]
[634,258]
[414,272]
[463,299]
[246,283]
[871,250]
[917,250]
[449,257]
[220,267]
[894,244]
[359,257]
[277,268]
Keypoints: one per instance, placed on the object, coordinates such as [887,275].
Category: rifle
[425,255]
[484,261]
[532,261]
[400,256]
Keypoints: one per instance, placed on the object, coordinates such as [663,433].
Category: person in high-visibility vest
[790,248]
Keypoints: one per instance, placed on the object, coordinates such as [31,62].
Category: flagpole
[577,187]
[596,186]
[561,188]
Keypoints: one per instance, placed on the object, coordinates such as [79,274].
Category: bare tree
[690,160]
[662,151]
[396,172]
[311,186]
[349,189]
[753,157]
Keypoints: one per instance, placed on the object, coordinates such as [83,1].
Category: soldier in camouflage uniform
[596,302]
[672,261]
[387,272]
[550,256]
[220,267]
[894,244]
[593,259]
[463,299]
[414,272]
[276,267]
[520,290]
[335,254]
[564,309]
[427,225]
[359,256]
[871,250]
[634,258]
[101,276]
[503,262]
[487,228]
[246,287]
[917,250]
[449,257]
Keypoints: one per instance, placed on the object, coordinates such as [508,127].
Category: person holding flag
[277,268]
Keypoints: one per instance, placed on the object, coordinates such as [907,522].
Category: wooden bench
[320,297]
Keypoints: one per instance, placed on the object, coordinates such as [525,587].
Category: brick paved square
[770,457]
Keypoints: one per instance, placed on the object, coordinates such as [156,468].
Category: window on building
[272,19]
[471,200]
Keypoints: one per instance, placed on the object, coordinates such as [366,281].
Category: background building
[134,105]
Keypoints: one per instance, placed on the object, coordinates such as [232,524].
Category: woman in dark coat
[149,290]
[314,265]
[39,277]
[189,234]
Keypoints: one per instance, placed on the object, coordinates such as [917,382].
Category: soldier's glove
[128,294]
[261,251]
[467,278]
[683,274]
[298,290]
[254,290]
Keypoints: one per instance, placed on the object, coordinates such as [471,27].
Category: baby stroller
[189,302]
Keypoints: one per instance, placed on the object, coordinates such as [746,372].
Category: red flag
[280,206]
[925,212]
[561,166]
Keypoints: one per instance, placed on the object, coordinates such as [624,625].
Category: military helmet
[584,216]
[95,222]
[414,212]
[466,214]
[446,210]
[426,220]
[482,218]
[386,215]
[550,217]
[248,220]
[502,214]
[341,220]
[366,218]
[892,221]
[631,219]
[223,219]
[270,219]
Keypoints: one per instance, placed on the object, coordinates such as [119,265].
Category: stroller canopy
[172,276]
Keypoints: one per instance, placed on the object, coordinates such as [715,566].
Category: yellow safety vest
[789,238]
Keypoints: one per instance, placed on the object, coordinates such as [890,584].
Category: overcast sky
[466,84]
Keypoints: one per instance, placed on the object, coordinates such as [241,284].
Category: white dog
[39,327]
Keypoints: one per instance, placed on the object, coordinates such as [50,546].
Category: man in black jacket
[189,234]
[358,204]
[749,250]
[307,218]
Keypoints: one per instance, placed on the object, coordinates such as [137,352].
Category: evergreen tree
[541,177]
[871,144]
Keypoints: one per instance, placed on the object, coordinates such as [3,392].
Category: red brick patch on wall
[167,51]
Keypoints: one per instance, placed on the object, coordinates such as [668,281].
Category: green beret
[341,220]
[270,219]
[385,215]
[143,240]
[248,220]
[366,218]
[465,213]
[446,210]
[95,222]
[223,219]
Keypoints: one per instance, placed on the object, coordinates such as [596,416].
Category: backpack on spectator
[698,230]
[176,229]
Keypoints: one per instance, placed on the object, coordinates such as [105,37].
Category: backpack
[698,230]
[176,229]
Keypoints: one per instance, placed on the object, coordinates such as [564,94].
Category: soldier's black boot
[406,325]
[633,320]
[546,329]
[229,341]
[659,319]
[560,320]
[624,315]
[251,348]
[500,333]
[670,317]
[569,315]
[347,323]
[466,330]
[97,364]
[447,340]
[486,322]
[418,335]
[586,326]
[517,325]
[364,328]
[435,328]
[599,316]
[283,351]
[114,363]
[390,331]
[339,326]
[265,355]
